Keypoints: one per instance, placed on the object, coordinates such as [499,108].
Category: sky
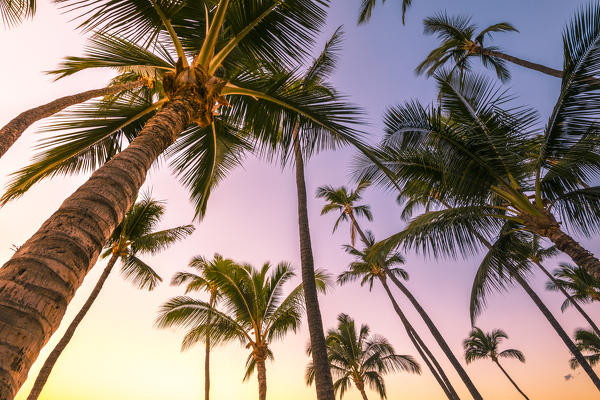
[118,354]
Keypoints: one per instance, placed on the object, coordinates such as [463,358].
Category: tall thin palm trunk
[557,327]
[12,131]
[510,379]
[46,370]
[212,301]
[432,328]
[361,389]
[40,279]
[261,371]
[323,380]
[570,298]
[439,375]
[523,63]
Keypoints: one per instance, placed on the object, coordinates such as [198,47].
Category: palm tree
[367,6]
[461,41]
[342,200]
[200,281]
[480,345]
[304,145]
[12,12]
[377,264]
[252,311]
[589,342]
[584,287]
[225,56]
[135,235]
[358,358]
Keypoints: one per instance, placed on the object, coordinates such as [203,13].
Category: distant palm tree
[367,6]
[342,200]
[200,281]
[373,264]
[481,345]
[360,359]
[252,311]
[134,236]
[587,342]
[582,286]
[460,42]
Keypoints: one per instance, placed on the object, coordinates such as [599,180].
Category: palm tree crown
[588,342]
[358,358]
[482,345]
[582,286]
[344,201]
[461,41]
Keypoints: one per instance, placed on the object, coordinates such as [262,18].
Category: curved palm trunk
[432,328]
[439,375]
[523,63]
[261,371]
[207,352]
[361,389]
[323,380]
[510,379]
[46,370]
[559,330]
[13,130]
[573,249]
[39,281]
[570,298]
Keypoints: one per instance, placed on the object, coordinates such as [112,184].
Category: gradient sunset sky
[117,354]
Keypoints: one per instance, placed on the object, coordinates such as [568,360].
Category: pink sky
[117,354]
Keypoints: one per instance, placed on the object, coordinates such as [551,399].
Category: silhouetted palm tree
[200,281]
[480,345]
[589,343]
[358,358]
[134,236]
[367,6]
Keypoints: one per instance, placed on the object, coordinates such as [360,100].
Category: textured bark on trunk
[39,281]
[572,301]
[573,249]
[559,330]
[46,370]
[524,63]
[261,371]
[323,380]
[432,328]
[439,375]
[213,299]
[438,338]
[13,130]
[510,379]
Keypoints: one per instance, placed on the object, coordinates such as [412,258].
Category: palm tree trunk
[261,371]
[207,352]
[510,379]
[438,338]
[40,279]
[573,249]
[13,130]
[559,330]
[46,370]
[323,380]
[439,375]
[570,298]
[432,328]
[523,63]
[363,393]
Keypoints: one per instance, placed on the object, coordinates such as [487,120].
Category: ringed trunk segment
[41,278]
[13,130]
[259,352]
[46,370]
[548,227]
[323,379]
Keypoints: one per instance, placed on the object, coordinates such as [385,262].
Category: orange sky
[117,354]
